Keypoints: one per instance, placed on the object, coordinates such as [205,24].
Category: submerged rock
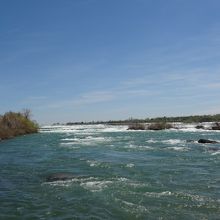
[189,141]
[214,149]
[59,177]
[206,141]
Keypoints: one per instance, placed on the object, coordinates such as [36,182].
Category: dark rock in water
[216,126]
[200,127]
[59,177]
[206,141]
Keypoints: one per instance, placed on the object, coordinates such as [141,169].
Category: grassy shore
[14,124]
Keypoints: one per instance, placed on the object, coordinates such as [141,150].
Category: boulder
[200,127]
[216,126]
[206,141]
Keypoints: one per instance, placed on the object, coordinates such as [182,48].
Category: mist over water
[119,174]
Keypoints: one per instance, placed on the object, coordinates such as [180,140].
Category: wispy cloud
[95,97]
[34,100]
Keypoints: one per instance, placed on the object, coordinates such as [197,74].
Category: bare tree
[26,113]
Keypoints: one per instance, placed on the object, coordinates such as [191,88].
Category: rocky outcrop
[159,126]
[136,126]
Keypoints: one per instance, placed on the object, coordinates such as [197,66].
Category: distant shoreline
[183,119]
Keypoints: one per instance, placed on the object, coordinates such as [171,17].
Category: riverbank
[13,124]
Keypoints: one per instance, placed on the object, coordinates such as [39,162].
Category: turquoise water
[119,174]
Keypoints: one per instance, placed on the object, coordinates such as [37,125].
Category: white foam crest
[97,128]
[190,130]
[67,143]
[122,179]
[145,147]
[97,138]
[152,141]
[213,150]
[158,194]
[95,186]
[130,165]
[215,153]
[79,129]
[89,140]
[131,207]
[179,148]
[93,163]
[62,183]
[140,147]
[195,198]
[131,183]
[70,139]
[188,196]
[114,128]
[173,141]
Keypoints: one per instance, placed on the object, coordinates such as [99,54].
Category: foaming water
[179,148]
[117,174]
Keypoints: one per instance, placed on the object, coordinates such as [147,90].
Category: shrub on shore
[13,124]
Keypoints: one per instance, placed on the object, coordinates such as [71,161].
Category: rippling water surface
[120,174]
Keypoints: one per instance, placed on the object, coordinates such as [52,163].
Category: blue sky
[82,60]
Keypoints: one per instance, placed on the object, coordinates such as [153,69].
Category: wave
[173,141]
[168,141]
[96,185]
[138,147]
[88,129]
[158,194]
[131,207]
[70,139]
[215,153]
[101,128]
[179,148]
[89,140]
[67,144]
[130,165]
[151,141]
[182,195]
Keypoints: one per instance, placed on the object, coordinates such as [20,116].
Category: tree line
[182,119]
